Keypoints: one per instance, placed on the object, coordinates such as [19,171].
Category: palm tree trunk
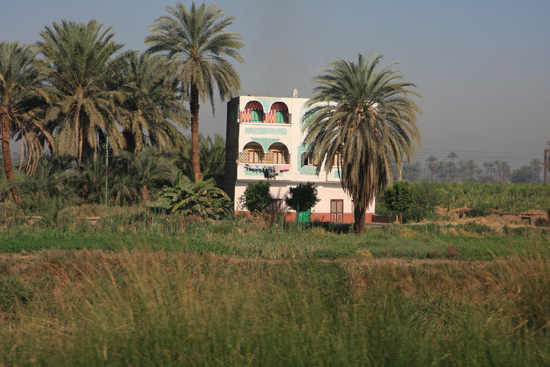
[144,193]
[195,162]
[6,153]
[359,214]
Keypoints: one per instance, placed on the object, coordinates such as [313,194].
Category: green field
[142,289]
[277,242]
[154,308]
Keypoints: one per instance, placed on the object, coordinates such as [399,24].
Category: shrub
[200,199]
[399,197]
[302,197]
[257,197]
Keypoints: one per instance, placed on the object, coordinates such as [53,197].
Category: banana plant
[200,199]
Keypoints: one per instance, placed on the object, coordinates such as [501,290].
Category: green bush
[257,196]
[302,197]
[200,199]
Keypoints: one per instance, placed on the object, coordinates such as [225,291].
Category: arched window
[252,153]
[278,114]
[278,154]
[253,112]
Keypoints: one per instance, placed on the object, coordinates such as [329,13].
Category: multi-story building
[265,141]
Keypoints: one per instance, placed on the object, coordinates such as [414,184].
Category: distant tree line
[469,171]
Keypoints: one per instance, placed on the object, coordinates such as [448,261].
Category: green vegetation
[257,197]
[200,199]
[302,197]
[359,120]
[152,308]
[196,44]
[399,197]
[271,239]
[484,197]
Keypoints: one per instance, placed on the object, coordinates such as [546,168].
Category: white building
[264,136]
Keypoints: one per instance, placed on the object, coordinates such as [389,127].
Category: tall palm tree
[84,108]
[452,155]
[19,99]
[411,172]
[489,167]
[367,117]
[150,112]
[471,167]
[195,41]
[432,165]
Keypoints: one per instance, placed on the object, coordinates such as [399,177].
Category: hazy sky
[482,66]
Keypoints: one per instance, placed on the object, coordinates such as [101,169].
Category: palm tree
[19,99]
[489,167]
[212,153]
[368,118]
[452,155]
[195,41]
[84,108]
[150,111]
[134,175]
[450,171]
[470,168]
[432,165]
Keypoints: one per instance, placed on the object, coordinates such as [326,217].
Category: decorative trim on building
[265,142]
[265,130]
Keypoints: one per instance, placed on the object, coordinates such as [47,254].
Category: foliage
[399,197]
[367,118]
[257,196]
[134,307]
[151,109]
[523,175]
[195,42]
[302,197]
[426,197]
[83,111]
[198,199]
[19,100]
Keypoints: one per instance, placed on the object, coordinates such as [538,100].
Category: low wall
[315,217]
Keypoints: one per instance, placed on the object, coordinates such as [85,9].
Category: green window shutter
[279,117]
[256,115]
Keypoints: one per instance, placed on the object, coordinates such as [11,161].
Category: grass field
[142,289]
[153,308]
[277,242]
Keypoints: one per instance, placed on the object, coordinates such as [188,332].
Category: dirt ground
[528,218]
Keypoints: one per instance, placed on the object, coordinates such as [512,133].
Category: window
[278,157]
[280,117]
[307,161]
[254,156]
[278,154]
[256,115]
[252,153]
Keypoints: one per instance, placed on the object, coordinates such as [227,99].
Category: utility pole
[546,162]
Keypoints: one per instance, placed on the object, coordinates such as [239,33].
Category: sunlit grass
[146,308]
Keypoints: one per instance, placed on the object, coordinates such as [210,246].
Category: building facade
[265,142]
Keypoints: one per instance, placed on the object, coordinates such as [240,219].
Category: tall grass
[155,308]
[492,195]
